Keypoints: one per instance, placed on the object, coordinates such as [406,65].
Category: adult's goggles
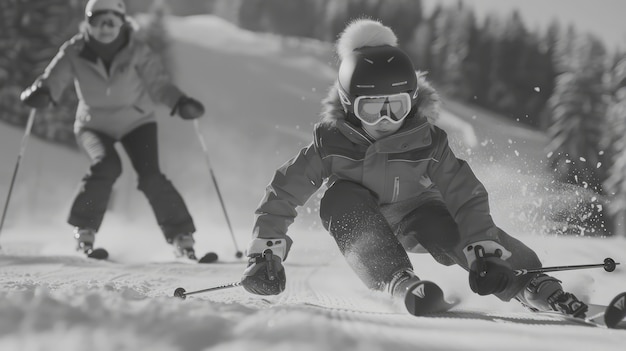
[105,18]
[373,109]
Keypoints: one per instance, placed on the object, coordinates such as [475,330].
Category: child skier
[394,185]
[117,77]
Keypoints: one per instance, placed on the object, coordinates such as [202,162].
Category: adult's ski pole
[196,126]
[29,127]
[608,265]
[181,293]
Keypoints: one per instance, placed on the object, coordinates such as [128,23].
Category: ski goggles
[373,109]
[105,18]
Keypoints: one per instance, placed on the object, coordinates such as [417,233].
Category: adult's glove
[37,95]
[489,272]
[265,274]
[188,108]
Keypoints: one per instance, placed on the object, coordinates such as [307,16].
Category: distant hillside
[176,7]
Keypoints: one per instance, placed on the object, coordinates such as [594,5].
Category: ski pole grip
[271,273]
[481,265]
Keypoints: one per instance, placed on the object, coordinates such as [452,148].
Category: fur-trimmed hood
[428,103]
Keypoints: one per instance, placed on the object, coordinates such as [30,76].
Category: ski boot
[545,293]
[183,246]
[85,238]
[420,297]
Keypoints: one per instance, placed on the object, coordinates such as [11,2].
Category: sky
[605,18]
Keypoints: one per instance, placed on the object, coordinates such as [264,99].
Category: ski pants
[141,146]
[375,239]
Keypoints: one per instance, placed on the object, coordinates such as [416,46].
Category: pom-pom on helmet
[376,79]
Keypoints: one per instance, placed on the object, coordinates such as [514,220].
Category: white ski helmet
[95,6]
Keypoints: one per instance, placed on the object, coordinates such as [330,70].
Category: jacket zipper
[396,189]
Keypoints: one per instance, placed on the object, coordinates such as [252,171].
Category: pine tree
[419,48]
[482,49]
[423,46]
[547,47]
[509,50]
[578,115]
[154,32]
[31,32]
[456,31]
[616,182]
[403,16]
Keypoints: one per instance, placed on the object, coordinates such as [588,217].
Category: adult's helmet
[94,7]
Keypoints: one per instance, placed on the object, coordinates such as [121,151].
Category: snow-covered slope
[262,95]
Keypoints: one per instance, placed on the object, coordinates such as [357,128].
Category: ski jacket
[113,102]
[399,167]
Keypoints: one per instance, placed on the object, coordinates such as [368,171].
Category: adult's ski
[103,254]
[98,254]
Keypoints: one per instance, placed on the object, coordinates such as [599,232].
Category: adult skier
[394,185]
[117,77]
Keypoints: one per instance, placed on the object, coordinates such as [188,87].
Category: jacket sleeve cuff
[489,246]
[279,246]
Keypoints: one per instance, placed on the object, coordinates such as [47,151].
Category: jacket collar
[87,53]
[414,134]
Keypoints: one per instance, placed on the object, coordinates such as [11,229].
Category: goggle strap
[344,98]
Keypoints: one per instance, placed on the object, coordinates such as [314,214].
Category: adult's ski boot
[183,246]
[85,237]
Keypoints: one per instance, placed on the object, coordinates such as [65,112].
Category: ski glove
[36,95]
[489,273]
[265,274]
[188,108]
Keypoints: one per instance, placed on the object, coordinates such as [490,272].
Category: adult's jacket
[113,102]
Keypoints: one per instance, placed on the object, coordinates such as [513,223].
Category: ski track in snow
[69,303]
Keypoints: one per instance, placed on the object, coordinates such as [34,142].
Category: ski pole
[196,125]
[29,127]
[180,292]
[608,265]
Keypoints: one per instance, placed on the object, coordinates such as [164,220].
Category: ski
[604,316]
[97,254]
[103,254]
[209,257]
[615,312]
[425,298]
